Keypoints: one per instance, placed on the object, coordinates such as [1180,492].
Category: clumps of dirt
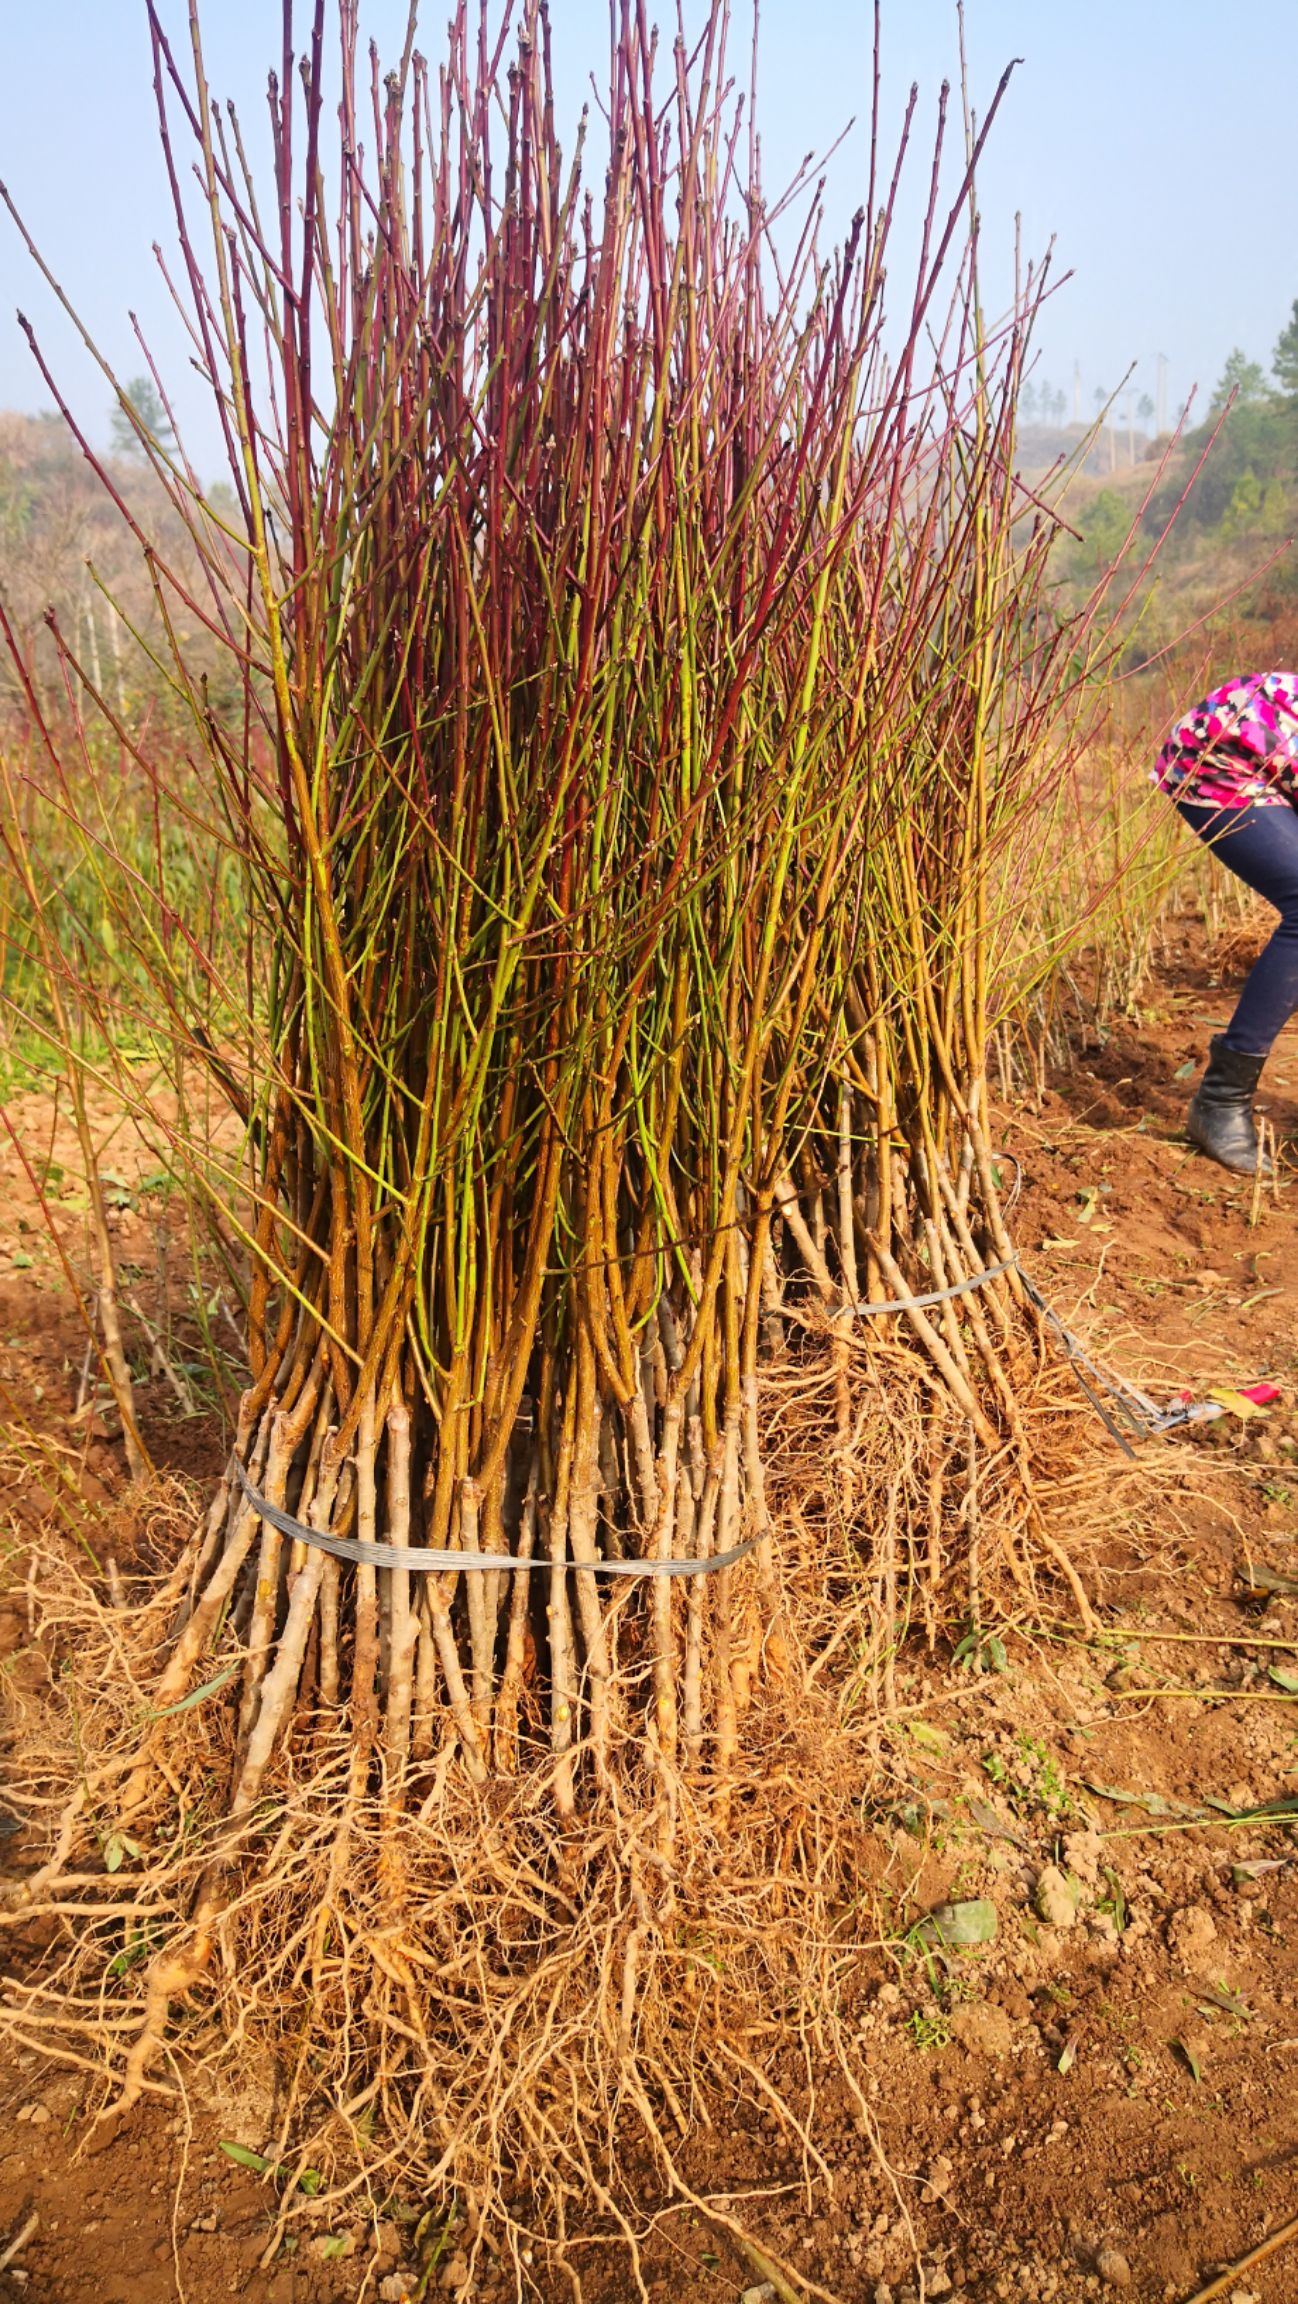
[1104,2078]
[1105,2083]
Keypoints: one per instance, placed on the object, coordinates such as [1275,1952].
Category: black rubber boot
[1220,1118]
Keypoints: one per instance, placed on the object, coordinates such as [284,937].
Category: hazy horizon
[1171,253]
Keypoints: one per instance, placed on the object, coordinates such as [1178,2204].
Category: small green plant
[1114,1904]
[1049,1789]
[951,1928]
[918,1944]
[929,2031]
[981,1651]
[434,2233]
[1118,2020]
[1032,1779]
[308,2180]
[958,1989]
[140,1945]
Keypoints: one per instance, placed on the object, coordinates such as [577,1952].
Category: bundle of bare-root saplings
[614,664]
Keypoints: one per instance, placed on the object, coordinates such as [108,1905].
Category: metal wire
[427,1560]
[938,1295]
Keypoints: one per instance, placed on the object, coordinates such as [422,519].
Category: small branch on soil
[761,2262]
[1204,1695]
[19,2242]
[1264,2248]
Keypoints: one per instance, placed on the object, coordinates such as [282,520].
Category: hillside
[1203,527]
[68,558]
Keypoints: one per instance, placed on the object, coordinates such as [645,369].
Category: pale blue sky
[1150,140]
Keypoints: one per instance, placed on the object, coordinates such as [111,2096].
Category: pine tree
[143,403]
[1241,377]
[1284,360]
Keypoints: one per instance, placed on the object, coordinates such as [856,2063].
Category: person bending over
[1231,767]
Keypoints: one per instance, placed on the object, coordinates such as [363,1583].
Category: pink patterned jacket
[1239,748]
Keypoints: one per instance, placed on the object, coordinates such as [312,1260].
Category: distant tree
[1028,402]
[1284,360]
[1242,513]
[1106,528]
[1145,408]
[1242,377]
[145,398]
[1058,404]
[1275,516]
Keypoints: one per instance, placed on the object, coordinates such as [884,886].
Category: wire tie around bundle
[937,1295]
[1141,1415]
[427,1560]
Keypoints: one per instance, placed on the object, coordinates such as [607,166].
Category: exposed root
[170,1973]
[465,1989]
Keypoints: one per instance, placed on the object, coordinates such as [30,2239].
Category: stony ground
[1094,2097]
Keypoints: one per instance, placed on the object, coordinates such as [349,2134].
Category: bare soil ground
[1099,2100]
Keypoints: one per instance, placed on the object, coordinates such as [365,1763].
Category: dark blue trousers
[1260,846]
